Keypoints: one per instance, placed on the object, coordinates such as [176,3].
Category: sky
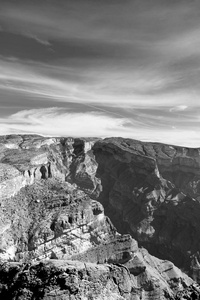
[101,68]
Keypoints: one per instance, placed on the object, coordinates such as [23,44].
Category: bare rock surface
[53,193]
[149,190]
[63,279]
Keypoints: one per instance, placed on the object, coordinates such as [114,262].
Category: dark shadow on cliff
[139,201]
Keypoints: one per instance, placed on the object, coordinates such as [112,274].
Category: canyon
[88,218]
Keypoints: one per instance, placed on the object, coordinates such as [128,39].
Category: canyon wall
[151,191]
[93,201]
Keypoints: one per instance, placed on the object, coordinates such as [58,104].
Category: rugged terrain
[56,242]
[153,189]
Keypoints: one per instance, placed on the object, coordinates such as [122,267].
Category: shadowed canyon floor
[73,212]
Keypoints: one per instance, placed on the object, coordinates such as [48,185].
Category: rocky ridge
[49,189]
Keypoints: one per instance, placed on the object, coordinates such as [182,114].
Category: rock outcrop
[54,220]
[63,279]
[53,193]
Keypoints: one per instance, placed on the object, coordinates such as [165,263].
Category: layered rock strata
[54,220]
[49,189]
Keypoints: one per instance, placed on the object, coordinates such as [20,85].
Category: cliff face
[50,193]
[54,220]
[151,191]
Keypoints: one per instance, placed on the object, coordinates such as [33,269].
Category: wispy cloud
[39,40]
[179,108]
[120,60]
[108,87]
[62,122]
[56,122]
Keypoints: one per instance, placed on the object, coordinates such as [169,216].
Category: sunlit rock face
[52,220]
[59,200]
[182,167]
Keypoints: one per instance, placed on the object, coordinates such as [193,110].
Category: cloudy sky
[126,68]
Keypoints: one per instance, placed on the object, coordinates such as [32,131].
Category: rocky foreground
[73,212]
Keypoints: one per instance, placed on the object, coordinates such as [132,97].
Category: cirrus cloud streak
[130,67]
[62,122]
